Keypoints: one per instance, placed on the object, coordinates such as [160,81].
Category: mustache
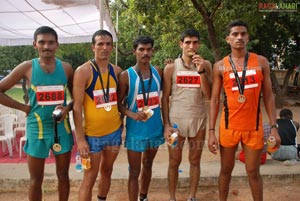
[146,56]
[47,50]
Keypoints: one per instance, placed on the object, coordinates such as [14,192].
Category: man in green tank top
[47,80]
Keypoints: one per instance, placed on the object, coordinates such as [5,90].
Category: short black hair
[142,40]
[236,23]
[286,114]
[45,30]
[101,32]
[189,33]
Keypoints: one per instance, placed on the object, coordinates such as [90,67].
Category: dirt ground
[238,192]
[288,192]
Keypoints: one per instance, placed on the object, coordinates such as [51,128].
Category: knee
[174,162]
[147,164]
[226,170]
[253,172]
[134,172]
[106,171]
[194,162]
[36,181]
[62,176]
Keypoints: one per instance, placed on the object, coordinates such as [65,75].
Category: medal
[56,147]
[145,108]
[107,107]
[240,83]
[241,98]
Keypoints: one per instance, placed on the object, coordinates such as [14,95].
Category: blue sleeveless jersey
[40,124]
[153,127]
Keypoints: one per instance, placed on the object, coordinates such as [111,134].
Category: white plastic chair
[8,121]
[21,127]
[22,139]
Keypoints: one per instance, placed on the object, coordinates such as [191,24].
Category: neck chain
[105,92]
[186,66]
[146,98]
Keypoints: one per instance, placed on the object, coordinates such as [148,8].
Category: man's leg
[195,151]
[146,174]
[108,157]
[89,178]
[36,170]
[252,163]
[227,165]
[175,156]
[62,172]
[134,160]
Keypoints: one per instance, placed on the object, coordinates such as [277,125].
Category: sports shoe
[290,162]
[192,199]
[145,199]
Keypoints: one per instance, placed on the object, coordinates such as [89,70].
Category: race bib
[188,79]
[153,101]
[100,100]
[50,95]
[251,80]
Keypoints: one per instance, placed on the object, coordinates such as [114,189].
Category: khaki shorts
[189,127]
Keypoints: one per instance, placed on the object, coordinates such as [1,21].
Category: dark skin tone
[237,39]
[46,46]
[143,55]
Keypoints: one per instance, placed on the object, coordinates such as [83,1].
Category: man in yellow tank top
[99,139]
[243,75]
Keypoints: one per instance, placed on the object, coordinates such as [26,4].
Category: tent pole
[117,30]
[101,12]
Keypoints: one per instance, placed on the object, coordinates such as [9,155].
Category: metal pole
[101,12]
[117,30]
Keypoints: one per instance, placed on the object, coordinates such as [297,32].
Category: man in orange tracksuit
[244,75]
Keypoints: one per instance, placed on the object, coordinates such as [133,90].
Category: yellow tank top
[98,121]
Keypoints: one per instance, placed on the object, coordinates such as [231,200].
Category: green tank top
[46,92]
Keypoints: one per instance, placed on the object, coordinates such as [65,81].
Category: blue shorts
[143,145]
[97,144]
[40,148]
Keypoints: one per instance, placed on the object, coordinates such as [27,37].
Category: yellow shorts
[252,139]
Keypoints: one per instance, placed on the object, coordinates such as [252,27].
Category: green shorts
[40,148]
[143,145]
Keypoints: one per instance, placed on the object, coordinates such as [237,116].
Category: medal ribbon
[55,131]
[241,86]
[105,93]
[143,86]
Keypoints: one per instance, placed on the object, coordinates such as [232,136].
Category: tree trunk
[277,90]
[286,81]
[212,36]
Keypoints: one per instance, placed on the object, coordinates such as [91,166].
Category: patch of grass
[16,93]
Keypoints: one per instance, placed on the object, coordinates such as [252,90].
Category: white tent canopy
[74,20]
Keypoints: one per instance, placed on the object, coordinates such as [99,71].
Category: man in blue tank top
[47,81]
[139,90]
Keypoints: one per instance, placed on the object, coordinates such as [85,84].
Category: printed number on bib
[188,79]
[153,101]
[100,100]
[251,80]
[50,95]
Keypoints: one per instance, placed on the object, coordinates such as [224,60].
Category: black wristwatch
[203,71]
[274,126]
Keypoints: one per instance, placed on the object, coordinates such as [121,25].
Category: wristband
[211,129]
[201,72]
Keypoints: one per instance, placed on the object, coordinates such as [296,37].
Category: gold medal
[56,147]
[107,107]
[241,98]
[145,108]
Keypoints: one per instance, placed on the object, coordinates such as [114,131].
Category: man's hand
[213,144]
[83,147]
